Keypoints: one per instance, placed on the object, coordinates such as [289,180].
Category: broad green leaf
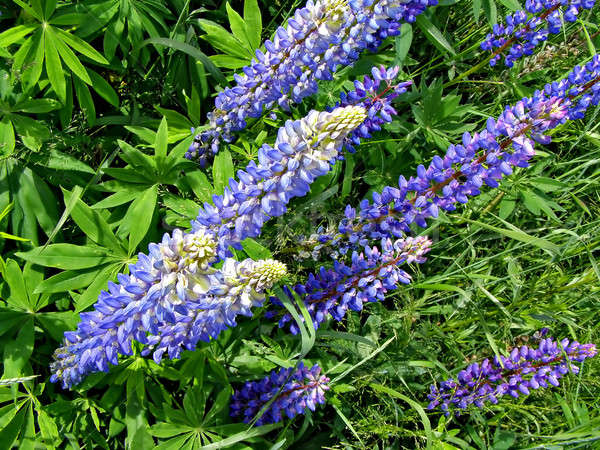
[253,20]
[32,132]
[14,34]
[49,7]
[54,67]
[79,45]
[35,13]
[18,292]
[139,216]
[7,136]
[403,42]
[238,26]
[116,199]
[222,40]
[93,224]
[137,159]
[145,134]
[199,183]
[103,88]
[18,351]
[67,256]
[69,58]
[222,170]
[242,436]
[90,295]
[37,105]
[255,250]
[34,63]
[56,323]
[86,103]
[160,145]
[9,433]
[228,61]
[193,52]
[68,280]
[35,195]
[434,35]
[513,5]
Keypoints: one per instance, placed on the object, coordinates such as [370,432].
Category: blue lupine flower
[295,391]
[523,33]
[242,286]
[482,159]
[319,38]
[304,150]
[176,274]
[375,95]
[526,369]
[371,274]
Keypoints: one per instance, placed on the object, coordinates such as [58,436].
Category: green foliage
[97,98]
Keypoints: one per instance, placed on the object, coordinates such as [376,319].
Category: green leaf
[255,250]
[403,43]
[69,58]
[18,292]
[56,323]
[37,105]
[86,103]
[222,170]
[34,62]
[116,199]
[18,351]
[253,20]
[513,5]
[193,52]
[14,34]
[79,45]
[9,433]
[160,145]
[35,195]
[238,26]
[32,132]
[434,35]
[54,68]
[67,281]
[519,235]
[139,216]
[49,7]
[242,436]
[222,40]
[103,88]
[90,295]
[92,224]
[228,61]
[7,136]
[67,256]
[199,183]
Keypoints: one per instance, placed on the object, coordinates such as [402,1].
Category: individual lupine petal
[525,369]
[294,390]
[319,38]
[235,289]
[483,158]
[304,150]
[370,276]
[160,285]
[527,29]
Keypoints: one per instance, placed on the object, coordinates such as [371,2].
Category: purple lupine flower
[522,33]
[525,369]
[241,286]
[375,95]
[295,391]
[482,159]
[305,149]
[319,38]
[161,287]
[371,274]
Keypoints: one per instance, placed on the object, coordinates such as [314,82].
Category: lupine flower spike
[174,283]
[295,391]
[319,38]
[526,369]
[368,278]
[482,159]
[526,29]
